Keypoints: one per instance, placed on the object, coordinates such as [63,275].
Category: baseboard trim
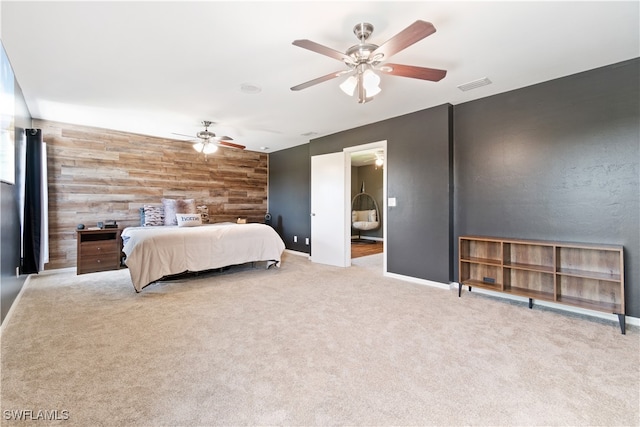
[57,271]
[377,239]
[423,282]
[297,253]
[630,320]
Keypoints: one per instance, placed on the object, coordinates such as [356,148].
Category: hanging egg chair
[365,214]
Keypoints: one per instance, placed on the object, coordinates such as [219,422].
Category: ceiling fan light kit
[363,59]
[349,85]
[208,142]
[371,82]
[205,147]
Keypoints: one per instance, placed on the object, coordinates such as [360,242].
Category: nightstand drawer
[89,264]
[99,248]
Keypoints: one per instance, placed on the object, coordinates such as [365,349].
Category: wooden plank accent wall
[97,174]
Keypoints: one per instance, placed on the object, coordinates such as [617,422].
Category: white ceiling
[159,68]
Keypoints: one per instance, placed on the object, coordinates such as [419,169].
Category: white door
[328,218]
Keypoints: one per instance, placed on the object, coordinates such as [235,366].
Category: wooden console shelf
[588,276]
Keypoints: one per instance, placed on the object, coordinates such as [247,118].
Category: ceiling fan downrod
[362,31]
[206,134]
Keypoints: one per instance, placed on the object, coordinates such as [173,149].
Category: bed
[156,252]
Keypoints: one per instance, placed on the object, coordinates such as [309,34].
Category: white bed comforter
[156,252]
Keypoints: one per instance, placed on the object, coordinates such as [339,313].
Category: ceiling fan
[208,142]
[363,59]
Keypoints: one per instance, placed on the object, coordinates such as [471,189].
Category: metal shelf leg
[623,321]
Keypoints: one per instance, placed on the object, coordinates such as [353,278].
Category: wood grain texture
[97,174]
[365,249]
[584,275]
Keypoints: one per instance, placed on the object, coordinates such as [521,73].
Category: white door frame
[381,145]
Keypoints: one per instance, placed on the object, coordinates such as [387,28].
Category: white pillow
[188,220]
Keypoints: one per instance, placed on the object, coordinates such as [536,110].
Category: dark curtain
[32,202]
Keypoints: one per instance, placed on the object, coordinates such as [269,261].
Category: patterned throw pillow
[203,210]
[153,215]
[188,220]
[173,206]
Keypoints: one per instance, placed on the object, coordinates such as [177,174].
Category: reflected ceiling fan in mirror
[208,142]
[364,59]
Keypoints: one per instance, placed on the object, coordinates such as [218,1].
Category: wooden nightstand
[98,250]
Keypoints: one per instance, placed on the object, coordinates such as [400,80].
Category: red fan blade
[422,73]
[320,80]
[405,38]
[226,143]
[323,50]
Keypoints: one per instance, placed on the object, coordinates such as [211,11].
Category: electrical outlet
[295,239]
[306,241]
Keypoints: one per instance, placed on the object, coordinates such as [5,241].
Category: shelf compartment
[100,236]
[485,251]
[601,295]
[532,284]
[589,274]
[592,305]
[484,285]
[593,263]
[483,275]
[529,293]
[529,256]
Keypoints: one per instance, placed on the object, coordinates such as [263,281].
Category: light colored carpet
[307,344]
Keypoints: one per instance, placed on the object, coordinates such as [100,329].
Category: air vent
[250,88]
[474,84]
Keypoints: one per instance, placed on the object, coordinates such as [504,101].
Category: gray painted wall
[419,227]
[10,285]
[290,195]
[555,161]
[418,174]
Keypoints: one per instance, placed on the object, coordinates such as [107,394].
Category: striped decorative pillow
[153,215]
[203,210]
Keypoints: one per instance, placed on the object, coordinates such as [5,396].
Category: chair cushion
[368,215]
[365,225]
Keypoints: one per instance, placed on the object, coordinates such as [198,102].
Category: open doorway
[367,189]
[331,206]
